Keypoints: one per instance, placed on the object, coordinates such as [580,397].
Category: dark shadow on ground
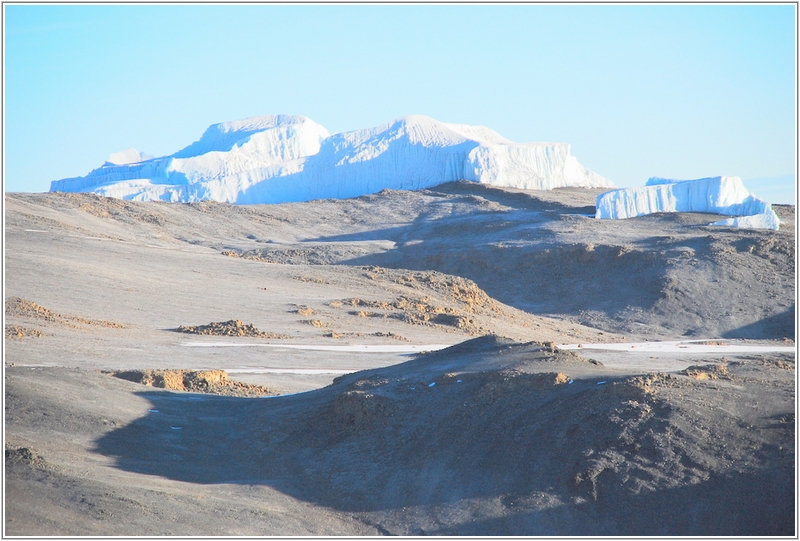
[541,279]
[519,200]
[441,432]
[779,326]
[741,509]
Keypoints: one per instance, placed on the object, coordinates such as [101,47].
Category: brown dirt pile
[23,308]
[710,371]
[16,332]
[16,306]
[413,311]
[455,288]
[304,310]
[233,327]
[205,381]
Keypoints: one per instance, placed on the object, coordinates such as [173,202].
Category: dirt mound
[233,327]
[708,371]
[205,381]
[16,306]
[23,456]
[454,288]
[16,332]
[414,311]
[25,309]
[431,298]
[303,310]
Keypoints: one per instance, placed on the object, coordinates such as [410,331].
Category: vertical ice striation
[535,166]
[717,195]
[282,158]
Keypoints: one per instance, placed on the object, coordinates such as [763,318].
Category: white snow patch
[285,158]
[717,195]
[678,346]
[308,371]
[357,348]
[765,220]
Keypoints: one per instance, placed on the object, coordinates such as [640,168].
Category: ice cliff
[285,158]
[717,195]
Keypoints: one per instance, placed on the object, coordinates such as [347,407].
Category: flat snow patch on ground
[292,370]
[688,347]
[347,349]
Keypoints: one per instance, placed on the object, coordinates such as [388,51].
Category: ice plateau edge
[288,158]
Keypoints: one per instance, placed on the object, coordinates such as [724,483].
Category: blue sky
[678,91]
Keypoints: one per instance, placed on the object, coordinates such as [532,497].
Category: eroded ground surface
[502,434]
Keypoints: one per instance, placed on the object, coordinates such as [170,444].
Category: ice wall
[282,158]
[717,195]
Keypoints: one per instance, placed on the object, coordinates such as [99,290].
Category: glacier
[289,158]
[130,155]
[716,195]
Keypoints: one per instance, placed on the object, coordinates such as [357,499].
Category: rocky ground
[230,427]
